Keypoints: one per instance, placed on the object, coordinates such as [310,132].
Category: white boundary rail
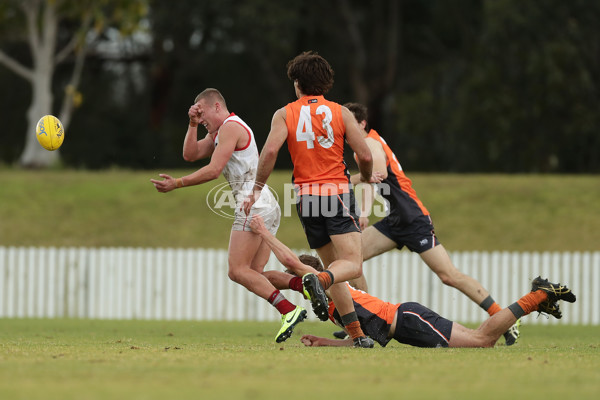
[192,284]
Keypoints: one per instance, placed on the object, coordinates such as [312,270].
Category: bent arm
[229,135]
[194,149]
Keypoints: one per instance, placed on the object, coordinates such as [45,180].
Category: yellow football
[50,132]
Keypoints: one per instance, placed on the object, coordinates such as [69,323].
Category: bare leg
[374,243]
[342,268]
[343,258]
[348,262]
[247,258]
[261,258]
[439,261]
[280,280]
[486,335]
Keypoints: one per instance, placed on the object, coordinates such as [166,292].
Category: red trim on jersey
[246,129]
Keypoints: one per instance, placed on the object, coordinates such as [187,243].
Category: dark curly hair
[309,260]
[313,73]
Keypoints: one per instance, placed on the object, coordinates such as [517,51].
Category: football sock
[528,303]
[280,302]
[352,325]
[326,279]
[296,284]
[490,305]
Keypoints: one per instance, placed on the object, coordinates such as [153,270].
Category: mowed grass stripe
[122,208]
[91,359]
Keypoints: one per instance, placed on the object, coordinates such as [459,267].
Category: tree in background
[534,92]
[55,30]
[453,85]
[515,88]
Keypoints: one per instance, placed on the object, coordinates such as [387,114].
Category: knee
[236,275]
[356,270]
[233,275]
[450,278]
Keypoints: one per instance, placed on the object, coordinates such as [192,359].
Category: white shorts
[271,216]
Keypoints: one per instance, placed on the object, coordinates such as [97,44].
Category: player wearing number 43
[315,130]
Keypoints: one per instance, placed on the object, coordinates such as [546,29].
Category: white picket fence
[192,284]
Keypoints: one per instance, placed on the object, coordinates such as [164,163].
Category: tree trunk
[34,155]
[42,43]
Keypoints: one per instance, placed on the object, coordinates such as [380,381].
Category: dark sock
[490,305]
[350,322]
[517,310]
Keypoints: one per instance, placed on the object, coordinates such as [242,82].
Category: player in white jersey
[232,150]
[240,172]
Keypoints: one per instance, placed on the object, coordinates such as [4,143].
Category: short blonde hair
[211,95]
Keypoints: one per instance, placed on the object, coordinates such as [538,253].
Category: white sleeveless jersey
[240,170]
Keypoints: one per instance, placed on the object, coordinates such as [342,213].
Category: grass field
[87,359]
[122,208]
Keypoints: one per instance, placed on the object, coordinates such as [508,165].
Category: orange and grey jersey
[404,205]
[374,315]
[316,135]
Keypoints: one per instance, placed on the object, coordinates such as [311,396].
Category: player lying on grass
[411,323]
[408,223]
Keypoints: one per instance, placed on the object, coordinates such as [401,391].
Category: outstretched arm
[281,251]
[316,341]
[229,136]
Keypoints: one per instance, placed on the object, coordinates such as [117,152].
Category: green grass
[122,208]
[90,359]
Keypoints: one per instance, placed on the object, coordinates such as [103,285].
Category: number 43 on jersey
[305,132]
